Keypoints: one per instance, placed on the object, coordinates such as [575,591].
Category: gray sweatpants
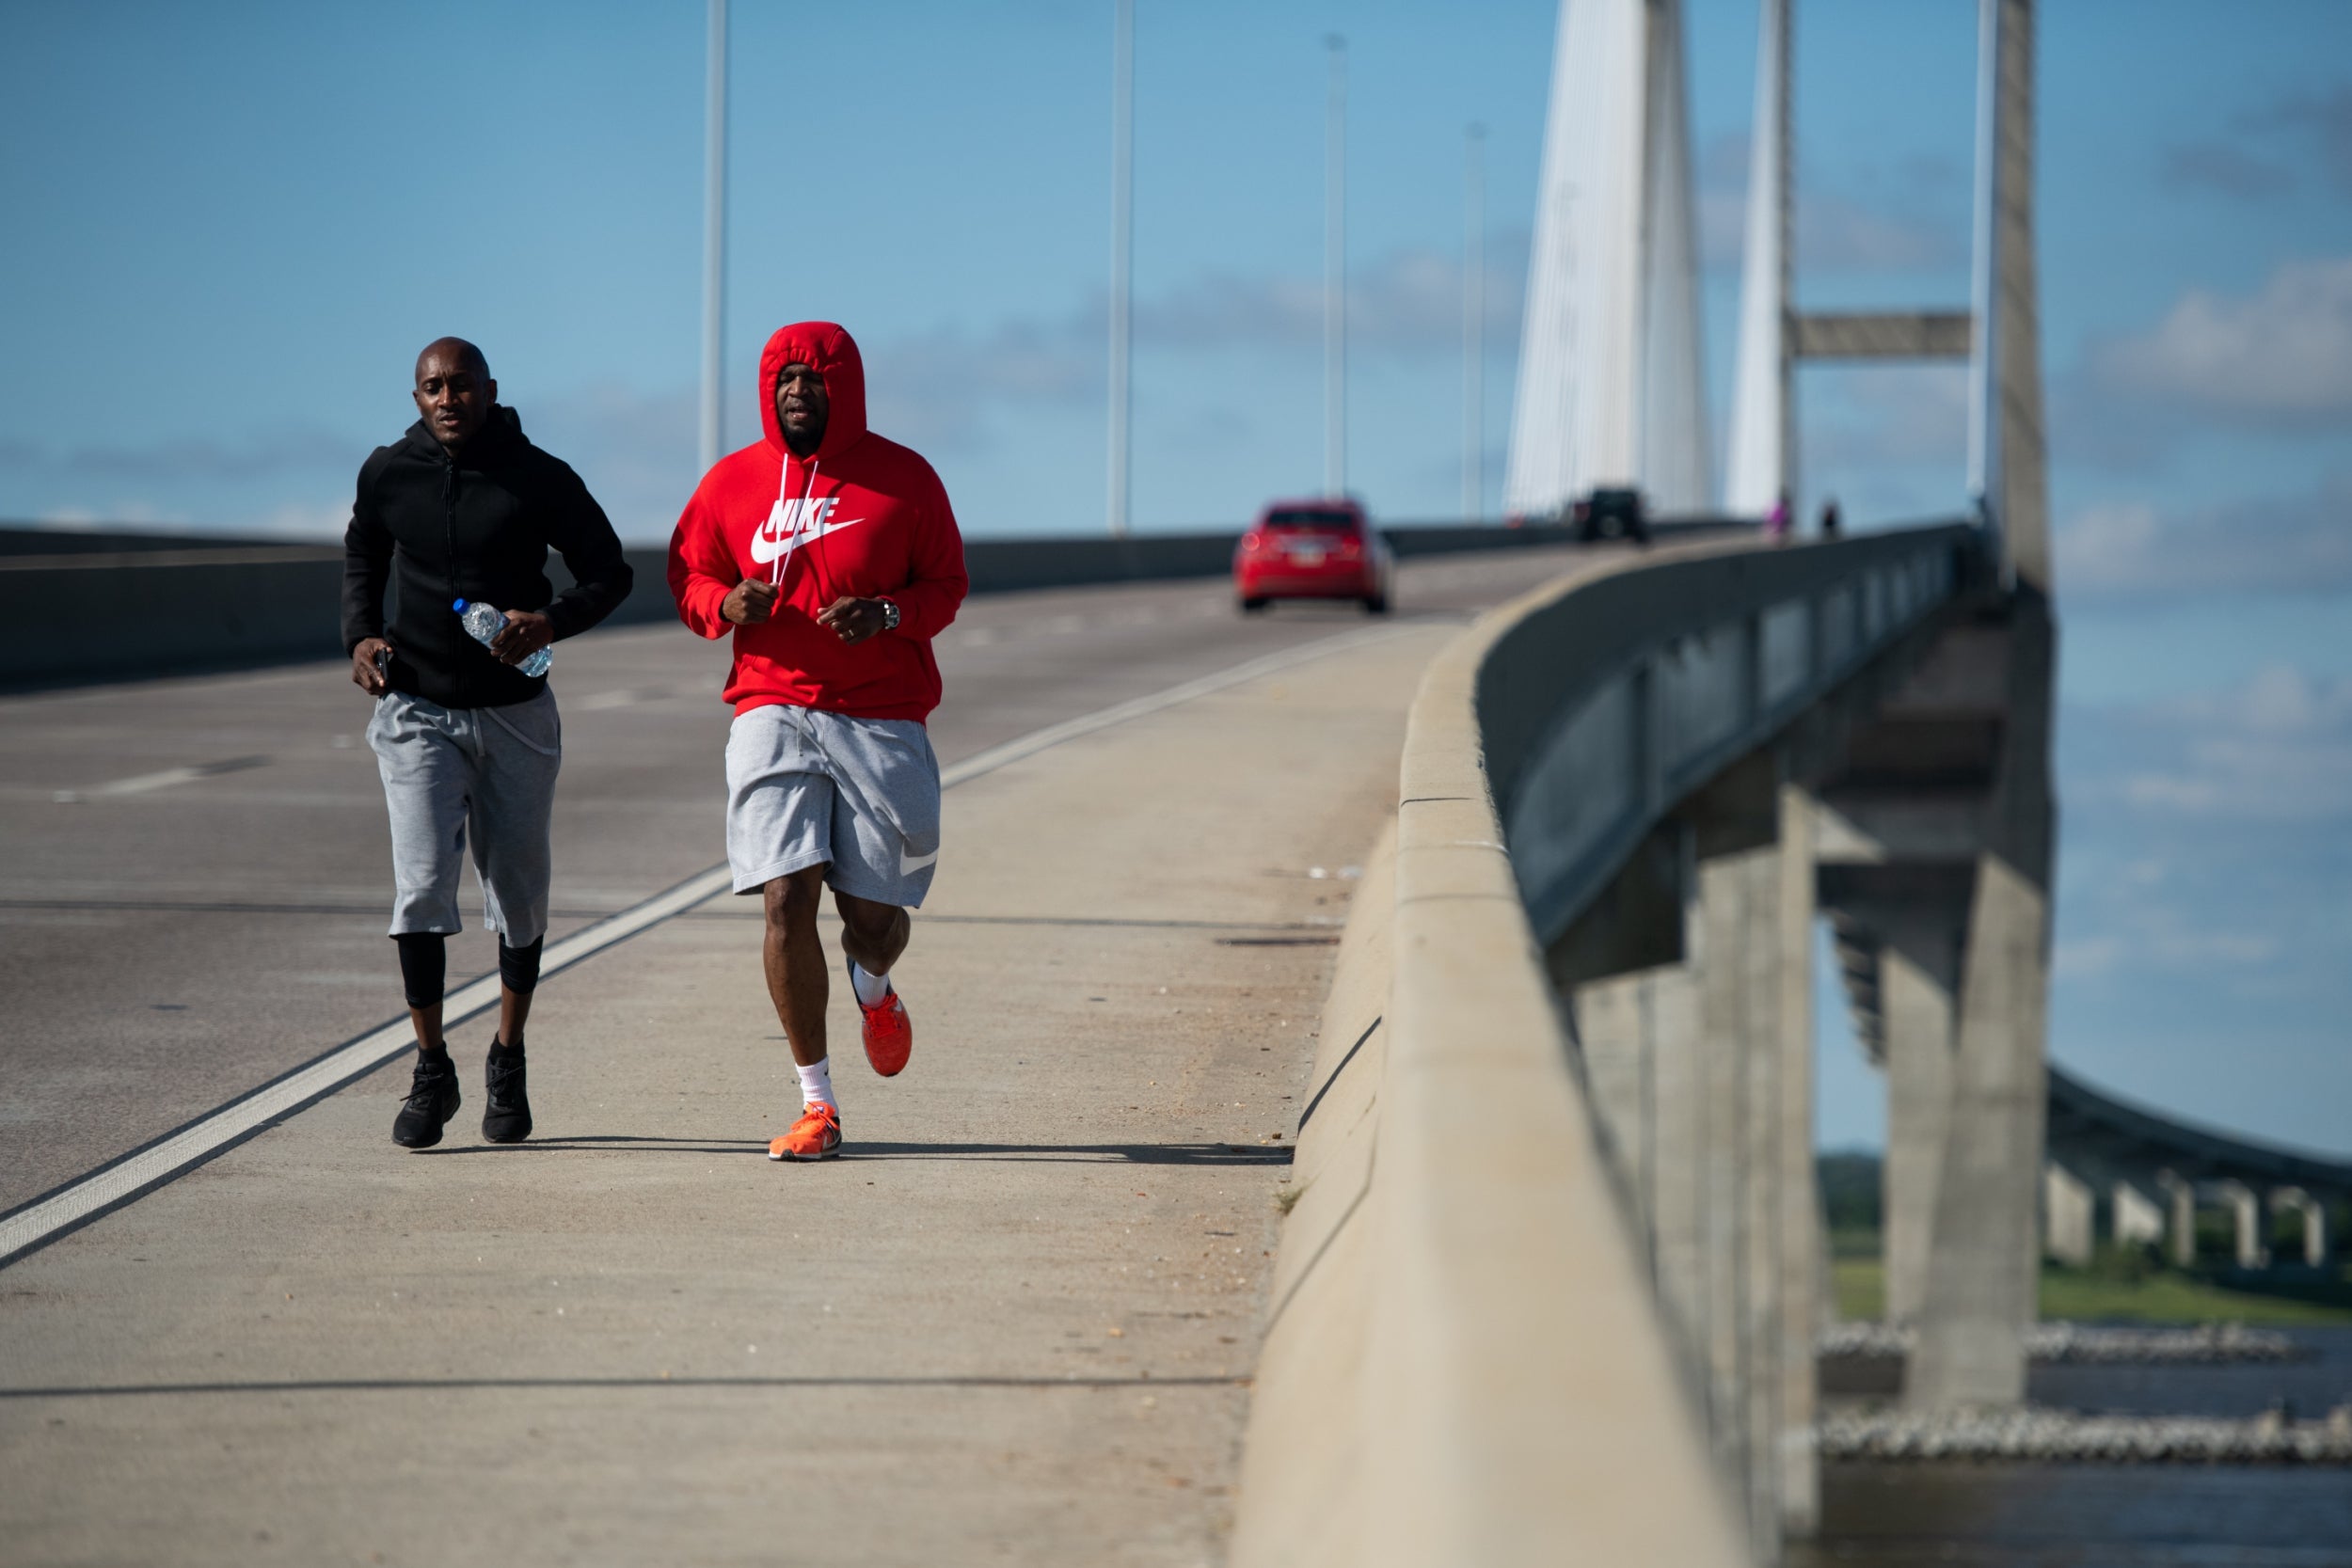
[489,771]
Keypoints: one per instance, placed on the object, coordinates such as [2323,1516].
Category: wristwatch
[890,615]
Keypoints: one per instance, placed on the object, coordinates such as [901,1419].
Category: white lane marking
[132,1177]
[143,784]
[160,1162]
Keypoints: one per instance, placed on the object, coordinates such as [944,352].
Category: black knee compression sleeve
[423,966]
[519,967]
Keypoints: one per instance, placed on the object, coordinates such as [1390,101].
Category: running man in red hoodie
[831,554]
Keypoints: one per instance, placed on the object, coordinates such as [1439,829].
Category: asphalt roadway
[985,1351]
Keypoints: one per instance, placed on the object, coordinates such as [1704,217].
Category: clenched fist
[750,603]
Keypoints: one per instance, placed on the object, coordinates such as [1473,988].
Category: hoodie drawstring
[800,520]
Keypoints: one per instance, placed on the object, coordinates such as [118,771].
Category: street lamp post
[1474,325]
[714,232]
[1122,260]
[1335,276]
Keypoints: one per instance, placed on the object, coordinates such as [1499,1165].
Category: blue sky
[232,226]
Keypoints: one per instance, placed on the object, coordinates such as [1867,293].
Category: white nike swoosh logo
[908,864]
[767,543]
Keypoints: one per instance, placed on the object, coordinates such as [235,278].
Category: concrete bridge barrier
[1524,1312]
[79,606]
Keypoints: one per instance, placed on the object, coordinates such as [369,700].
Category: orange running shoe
[889,1034]
[815,1136]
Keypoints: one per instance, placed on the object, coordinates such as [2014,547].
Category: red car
[1316,550]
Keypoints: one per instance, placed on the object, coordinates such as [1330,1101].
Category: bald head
[455,391]
[454,351]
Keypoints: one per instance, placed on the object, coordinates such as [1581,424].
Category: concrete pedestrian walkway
[1017,1325]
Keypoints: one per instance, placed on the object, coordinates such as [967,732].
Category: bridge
[1362,1111]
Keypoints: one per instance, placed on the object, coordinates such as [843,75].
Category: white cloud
[1406,302]
[2276,749]
[2279,544]
[938,390]
[2087,959]
[2281,354]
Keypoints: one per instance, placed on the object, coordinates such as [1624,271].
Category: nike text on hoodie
[859,517]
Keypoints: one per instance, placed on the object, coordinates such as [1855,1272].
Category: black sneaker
[432,1099]
[507,1117]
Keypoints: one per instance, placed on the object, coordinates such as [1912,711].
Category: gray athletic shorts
[808,788]
[454,773]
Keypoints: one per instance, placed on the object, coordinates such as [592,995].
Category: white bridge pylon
[1609,388]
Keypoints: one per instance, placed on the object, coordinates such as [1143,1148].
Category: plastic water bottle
[483,624]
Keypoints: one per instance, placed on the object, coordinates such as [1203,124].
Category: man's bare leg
[513,1012]
[872,934]
[795,961]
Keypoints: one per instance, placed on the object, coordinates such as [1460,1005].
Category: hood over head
[832,353]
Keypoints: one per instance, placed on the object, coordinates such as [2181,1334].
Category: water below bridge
[2017,1515]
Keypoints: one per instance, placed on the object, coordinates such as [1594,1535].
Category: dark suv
[1612,515]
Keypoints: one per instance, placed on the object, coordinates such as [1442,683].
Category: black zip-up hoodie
[475,528]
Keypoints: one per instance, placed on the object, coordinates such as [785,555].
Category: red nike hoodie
[861,516]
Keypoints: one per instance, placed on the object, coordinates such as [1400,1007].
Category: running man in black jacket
[464,507]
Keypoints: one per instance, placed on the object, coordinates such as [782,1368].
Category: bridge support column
[1678,1227]
[1635,1008]
[1983,1268]
[2137,1217]
[2184,1206]
[2067,1208]
[2314,1222]
[1918,1011]
[2246,1214]
[1752,953]
[1800,1244]
[1737,909]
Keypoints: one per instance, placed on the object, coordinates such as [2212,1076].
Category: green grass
[1861,1286]
[2105,1296]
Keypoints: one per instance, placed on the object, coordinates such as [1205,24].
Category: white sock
[870,989]
[817,1083]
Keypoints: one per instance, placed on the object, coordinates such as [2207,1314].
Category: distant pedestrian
[1776,521]
[464,507]
[1831,519]
[832,557]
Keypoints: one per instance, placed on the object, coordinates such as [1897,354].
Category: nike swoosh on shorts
[909,864]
